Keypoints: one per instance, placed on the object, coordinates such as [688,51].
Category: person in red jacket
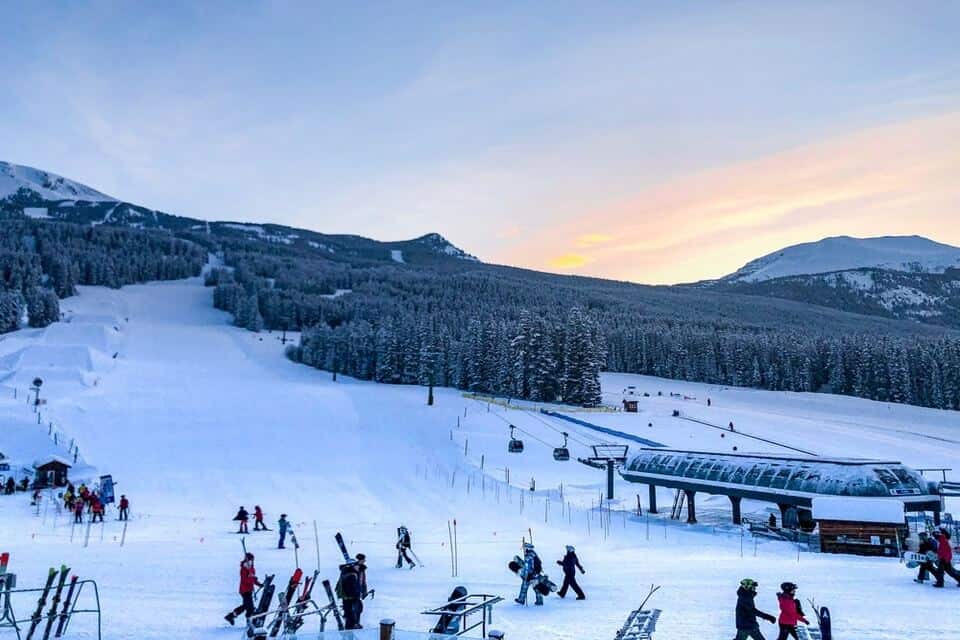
[790,611]
[258,519]
[945,558]
[96,508]
[248,581]
[78,512]
[124,507]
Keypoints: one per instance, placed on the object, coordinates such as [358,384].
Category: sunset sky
[653,142]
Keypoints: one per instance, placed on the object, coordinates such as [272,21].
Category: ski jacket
[258,514]
[570,564]
[927,545]
[350,585]
[242,515]
[78,507]
[790,610]
[944,552]
[248,577]
[747,612]
[404,539]
[532,566]
[124,503]
[284,524]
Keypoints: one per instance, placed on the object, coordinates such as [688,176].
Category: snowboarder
[530,572]
[747,612]
[403,544]
[258,519]
[449,625]
[283,525]
[242,517]
[248,580]
[945,558]
[570,564]
[790,611]
[124,507]
[927,545]
[348,589]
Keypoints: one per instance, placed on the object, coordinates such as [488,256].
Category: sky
[644,141]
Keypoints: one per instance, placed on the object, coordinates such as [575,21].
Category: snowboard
[823,615]
[914,559]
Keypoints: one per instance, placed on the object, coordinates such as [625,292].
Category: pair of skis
[284,600]
[60,578]
[293,620]
[256,622]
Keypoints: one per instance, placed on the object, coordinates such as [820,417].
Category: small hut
[51,472]
[860,526]
[630,406]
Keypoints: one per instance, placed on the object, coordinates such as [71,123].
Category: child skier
[403,544]
[96,508]
[78,511]
[258,519]
[283,525]
[790,611]
[248,580]
[124,507]
[747,612]
[242,517]
[570,564]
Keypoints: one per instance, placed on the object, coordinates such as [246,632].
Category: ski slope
[194,417]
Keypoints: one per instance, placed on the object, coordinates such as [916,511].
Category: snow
[13,177]
[397,255]
[843,253]
[336,294]
[882,510]
[37,213]
[196,417]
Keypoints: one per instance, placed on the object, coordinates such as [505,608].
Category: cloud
[568,261]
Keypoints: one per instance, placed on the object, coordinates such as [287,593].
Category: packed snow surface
[194,417]
[842,253]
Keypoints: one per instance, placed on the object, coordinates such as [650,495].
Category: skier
[11,486]
[403,544]
[78,511]
[248,580]
[68,499]
[790,611]
[945,558]
[747,612]
[449,625]
[242,517]
[96,508]
[283,525]
[927,544]
[258,519]
[530,572]
[124,507]
[570,564]
[348,588]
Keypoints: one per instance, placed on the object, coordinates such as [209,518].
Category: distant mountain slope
[912,254]
[25,191]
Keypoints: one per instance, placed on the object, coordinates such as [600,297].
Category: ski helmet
[750,584]
[788,587]
[248,555]
[570,548]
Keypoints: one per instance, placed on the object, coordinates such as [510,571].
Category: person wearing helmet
[945,558]
[403,545]
[348,589]
[790,611]
[530,573]
[248,580]
[747,612]
[570,564]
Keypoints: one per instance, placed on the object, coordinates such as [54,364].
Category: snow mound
[37,357]
[14,177]
[897,253]
[95,336]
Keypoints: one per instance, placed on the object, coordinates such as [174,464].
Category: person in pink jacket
[791,612]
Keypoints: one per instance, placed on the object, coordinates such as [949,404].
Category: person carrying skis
[248,580]
[283,525]
[790,611]
[747,612]
[403,544]
[945,558]
[927,545]
[570,564]
[124,507]
[242,517]
[530,573]
[348,589]
[258,519]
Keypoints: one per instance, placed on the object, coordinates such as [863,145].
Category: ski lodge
[51,472]
[792,483]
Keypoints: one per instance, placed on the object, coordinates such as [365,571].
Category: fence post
[386,629]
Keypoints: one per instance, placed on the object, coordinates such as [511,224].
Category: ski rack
[468,605]
[641,623]
[8,619]
[289,615]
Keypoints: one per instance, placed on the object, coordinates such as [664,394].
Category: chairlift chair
[562,454]
[516,445]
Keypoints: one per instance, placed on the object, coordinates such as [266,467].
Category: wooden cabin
[51,472]
[860,526]
[630,406]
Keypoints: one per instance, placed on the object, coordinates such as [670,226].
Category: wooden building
[860,526]
[630,406]
[51,472]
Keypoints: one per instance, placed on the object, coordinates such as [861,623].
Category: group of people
[82,498]
[243,518]
[10,486]
[940,553]
[530,570]
[791,611]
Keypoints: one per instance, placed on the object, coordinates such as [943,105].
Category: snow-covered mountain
[40,194]
[912,254]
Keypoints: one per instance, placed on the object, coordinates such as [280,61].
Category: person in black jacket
[348,588]
[747,612]
[927,545]
[570,564]
[242,517]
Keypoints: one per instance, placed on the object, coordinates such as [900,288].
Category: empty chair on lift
[562,453]
[515,446]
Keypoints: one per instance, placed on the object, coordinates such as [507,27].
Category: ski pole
[316,543]
[243,542]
